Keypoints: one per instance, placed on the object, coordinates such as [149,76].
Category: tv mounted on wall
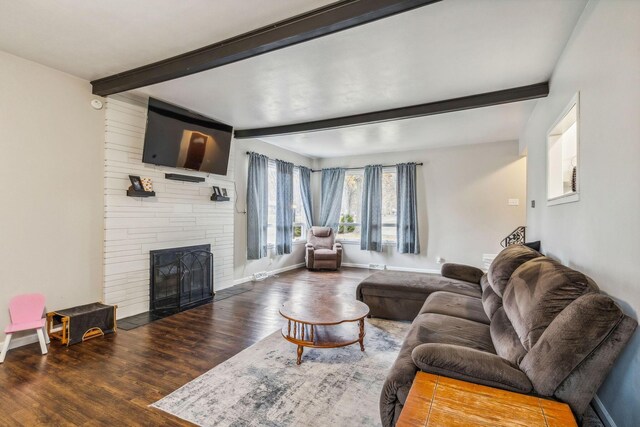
[182,139]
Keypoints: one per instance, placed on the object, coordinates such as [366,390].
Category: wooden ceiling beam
[517,94]
[320,22]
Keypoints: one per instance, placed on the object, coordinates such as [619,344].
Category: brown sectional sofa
[530,325]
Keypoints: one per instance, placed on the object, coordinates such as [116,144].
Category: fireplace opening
[181,278]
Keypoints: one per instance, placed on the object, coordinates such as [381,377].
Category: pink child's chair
[26,314]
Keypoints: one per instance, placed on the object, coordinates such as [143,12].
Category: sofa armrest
[337,246]
[463,272]
[308,255]
[471,365]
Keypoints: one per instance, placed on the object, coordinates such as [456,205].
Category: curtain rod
[349,169]
[294,165]
[362,167]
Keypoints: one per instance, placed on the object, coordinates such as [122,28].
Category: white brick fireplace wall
[181,214]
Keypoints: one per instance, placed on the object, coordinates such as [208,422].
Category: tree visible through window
[389,206]
[349,228]
[350,213]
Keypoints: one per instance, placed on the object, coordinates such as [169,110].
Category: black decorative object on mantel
[134,193]
[136,189]
[219,195]
[136,183]
[185,178]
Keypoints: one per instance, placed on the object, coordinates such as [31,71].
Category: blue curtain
[284,207]
[371,221]
[305,194]
[331,197]
[407,212]
[257,206]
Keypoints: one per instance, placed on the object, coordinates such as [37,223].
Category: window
[562,157]
[389,206]
[299,232]
[349,228]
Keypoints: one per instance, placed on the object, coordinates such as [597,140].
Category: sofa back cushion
[506,263]
[575,334]
[537,292]
[490,301]
[321,237]
[504,337]
[321,231]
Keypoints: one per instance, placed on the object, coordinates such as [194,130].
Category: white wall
[50,186]
[598,234]
[245,268]
[462,203]
[181,214]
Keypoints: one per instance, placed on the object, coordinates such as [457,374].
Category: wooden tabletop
[440,401]
[325,310]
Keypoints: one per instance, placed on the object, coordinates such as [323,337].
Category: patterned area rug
[263,386]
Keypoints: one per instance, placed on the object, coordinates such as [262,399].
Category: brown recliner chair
[322,251]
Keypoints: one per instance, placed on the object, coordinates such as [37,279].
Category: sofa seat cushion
[507,261]
[400,284]
[537,292]
[467,364]
[443,329]
[428,328]
[325,254]
[455,305]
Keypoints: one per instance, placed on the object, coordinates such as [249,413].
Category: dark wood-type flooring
[112,380]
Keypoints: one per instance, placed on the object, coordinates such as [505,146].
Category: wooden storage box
[81,323]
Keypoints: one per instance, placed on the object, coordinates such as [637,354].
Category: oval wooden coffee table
[326,322]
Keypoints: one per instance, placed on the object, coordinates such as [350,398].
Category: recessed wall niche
[563,141]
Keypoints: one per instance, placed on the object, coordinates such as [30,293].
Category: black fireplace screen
[181,278]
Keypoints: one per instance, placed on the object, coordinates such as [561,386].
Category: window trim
[357,224]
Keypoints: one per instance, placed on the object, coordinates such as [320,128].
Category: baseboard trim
[602,412]
[393,268]
[271,273]
[240,281]
[350,264]
[26,340]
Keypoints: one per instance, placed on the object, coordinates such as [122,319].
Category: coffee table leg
[361,336]
[300,349]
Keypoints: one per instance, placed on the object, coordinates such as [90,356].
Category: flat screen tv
[182,139]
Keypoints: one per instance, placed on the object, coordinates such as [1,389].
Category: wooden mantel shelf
[440,401]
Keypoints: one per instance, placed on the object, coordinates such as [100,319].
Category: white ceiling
[490,124]
[445,50]
[93,39]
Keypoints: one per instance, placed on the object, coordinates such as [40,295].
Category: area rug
[263,386]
